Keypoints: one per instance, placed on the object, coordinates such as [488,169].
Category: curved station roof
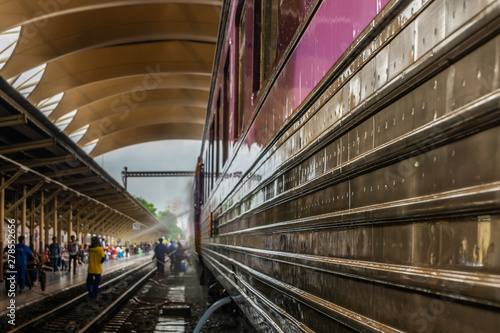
[107,74]
[113,73]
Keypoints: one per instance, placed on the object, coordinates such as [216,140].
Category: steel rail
[75,300]
[97,321]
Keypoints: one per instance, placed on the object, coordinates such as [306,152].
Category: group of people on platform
[54,253]
[54,256]
[95,255]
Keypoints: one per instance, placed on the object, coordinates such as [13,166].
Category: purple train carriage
[349,176]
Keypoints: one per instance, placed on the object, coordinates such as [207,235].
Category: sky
[170,155]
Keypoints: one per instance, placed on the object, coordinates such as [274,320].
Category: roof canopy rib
[128,137]
[146,117]
[125,104]
[134,68]
[85,95]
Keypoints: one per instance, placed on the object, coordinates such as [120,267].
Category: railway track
[81,314]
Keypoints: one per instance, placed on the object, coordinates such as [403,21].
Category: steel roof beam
[83,209]
[89,190]
[73,208]
[11,179]
[117,201]
[97,220]
[57,174]
[107,193]
[41,162]
[61,204]
[98,193]
[78,181]
[118,223]
[45,201]
[26,195]
[12,120]
[14,148]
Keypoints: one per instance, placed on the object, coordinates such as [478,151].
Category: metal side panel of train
[349,178]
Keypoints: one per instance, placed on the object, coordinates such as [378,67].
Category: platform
[61,280]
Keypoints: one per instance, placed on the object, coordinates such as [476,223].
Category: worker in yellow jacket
[96,258]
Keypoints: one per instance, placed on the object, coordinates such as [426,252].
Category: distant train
[349,178]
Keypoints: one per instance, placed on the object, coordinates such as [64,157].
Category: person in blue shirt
[172,249]
[54,250]
[22,251]
[160,251]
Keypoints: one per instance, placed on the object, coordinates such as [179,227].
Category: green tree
[169,220]
[166,218]
[149,206]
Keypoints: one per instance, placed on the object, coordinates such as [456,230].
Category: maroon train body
[349,178]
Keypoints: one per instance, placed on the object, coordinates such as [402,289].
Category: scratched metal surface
[378,210]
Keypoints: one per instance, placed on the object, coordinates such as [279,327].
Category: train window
[217,139]
[268,36]
[277,25]
[291,15]
[209,164]
[257,32]
[201,190]
[223,129]
[226,113]
[212,159]
[206,175]
[241,69]
[220,134]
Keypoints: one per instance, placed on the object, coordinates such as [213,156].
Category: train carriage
[349,176]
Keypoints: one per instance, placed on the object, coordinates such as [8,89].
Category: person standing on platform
[96,258]
[160,251]
[22,251]
[54,250]
[46,254]
[104,246]
[73,252]
[37,257]
[81,254]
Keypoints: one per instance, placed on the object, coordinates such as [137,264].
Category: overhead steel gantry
[127,174]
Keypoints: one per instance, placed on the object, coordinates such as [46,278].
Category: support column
[55,228]
[59,230]
[23,217]
[86,229]
[32,226]
[102,230]
[15,212]
[45,239]
[70,222]
[79,231]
